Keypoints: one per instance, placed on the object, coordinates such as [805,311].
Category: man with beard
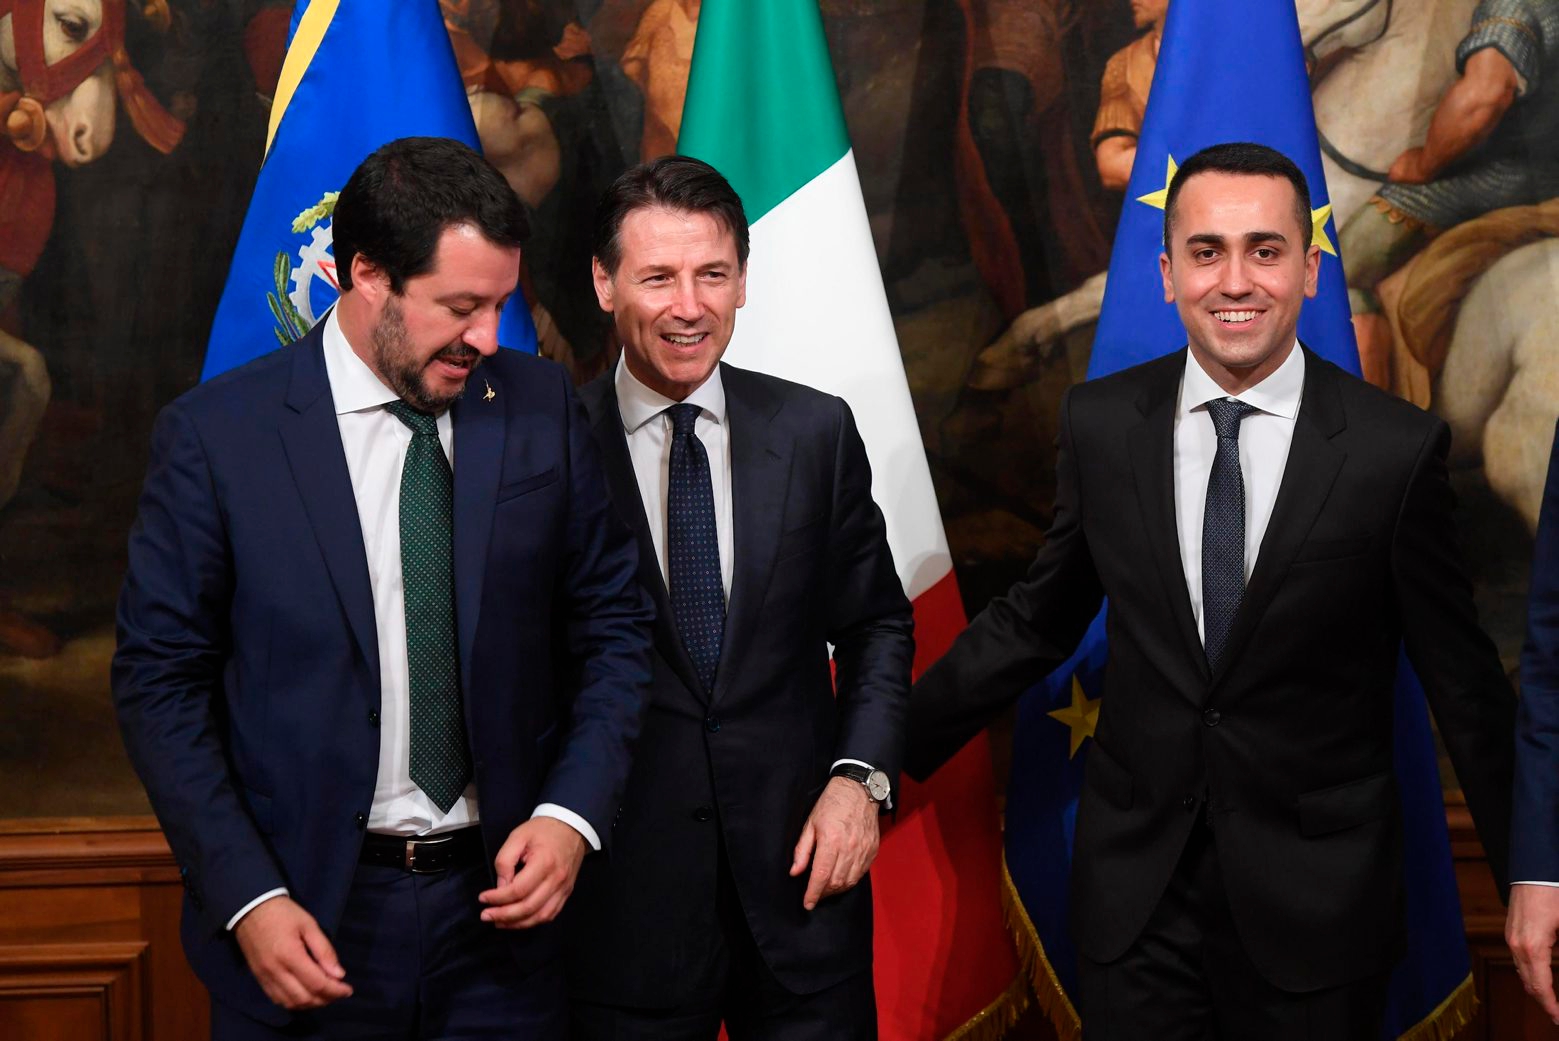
[381,649]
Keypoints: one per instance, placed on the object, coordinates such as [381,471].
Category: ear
[1169,285]
[603,284]
[369,279]
[741,287]
[1312,269]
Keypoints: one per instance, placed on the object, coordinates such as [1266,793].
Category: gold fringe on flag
[1449,1018]
[1447,1021]
[1042,975]
[993,1021]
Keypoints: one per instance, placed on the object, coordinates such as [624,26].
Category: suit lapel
[1152,447]
[760,478]
[479,425]
[312,441]
[624,485]
[1308,475]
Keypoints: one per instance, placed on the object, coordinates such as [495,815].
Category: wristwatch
[874,781]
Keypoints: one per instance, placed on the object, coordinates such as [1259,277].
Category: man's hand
[1410,168]
[290,957]
[550,852]
[840,839]
[1530,929]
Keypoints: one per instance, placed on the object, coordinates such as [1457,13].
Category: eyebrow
[1251,238]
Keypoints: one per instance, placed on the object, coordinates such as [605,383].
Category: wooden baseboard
[89,947]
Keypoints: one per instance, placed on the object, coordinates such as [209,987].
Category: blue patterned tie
[439,761]
[1223,531]
[693,548]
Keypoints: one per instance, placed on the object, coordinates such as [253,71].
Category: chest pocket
[525,485]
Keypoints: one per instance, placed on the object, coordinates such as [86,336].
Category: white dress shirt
[1265,436]
[375,443]
[648,430]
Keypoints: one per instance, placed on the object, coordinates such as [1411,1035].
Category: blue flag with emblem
[1228,70]
[358,74]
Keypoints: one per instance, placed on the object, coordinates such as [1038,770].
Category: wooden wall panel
[1507,1013]
[89,946]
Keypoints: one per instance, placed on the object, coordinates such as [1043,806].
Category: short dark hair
[1245,158]
[675,182]
[401,198]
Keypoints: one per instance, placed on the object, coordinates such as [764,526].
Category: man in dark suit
[1268,531]
[752,809]
[381,653]
[1532,926]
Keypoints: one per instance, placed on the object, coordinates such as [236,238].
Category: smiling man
[1269,531]
[735,890]
[381,652]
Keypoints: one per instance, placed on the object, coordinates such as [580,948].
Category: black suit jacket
[811,568]
[247,672]
[1292,737]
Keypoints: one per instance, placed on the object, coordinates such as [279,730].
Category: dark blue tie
[693,548]
[1223,531]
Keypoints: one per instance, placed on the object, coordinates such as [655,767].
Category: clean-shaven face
[673,297]
[1238,272]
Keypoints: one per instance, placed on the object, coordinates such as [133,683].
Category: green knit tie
[440,760]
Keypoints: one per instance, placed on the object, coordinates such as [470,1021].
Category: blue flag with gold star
[1228,70]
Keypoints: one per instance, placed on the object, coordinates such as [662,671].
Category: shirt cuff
[1551,885]
[887,803]
[251,905]
[572,819]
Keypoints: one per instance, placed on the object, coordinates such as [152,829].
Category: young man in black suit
[734,891]
[1268,530]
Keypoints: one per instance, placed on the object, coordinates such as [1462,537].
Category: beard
[399,365]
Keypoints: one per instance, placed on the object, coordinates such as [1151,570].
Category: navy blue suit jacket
[1534,833]
[747,762]
[247,677]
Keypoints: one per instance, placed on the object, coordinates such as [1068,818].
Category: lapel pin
[491,394]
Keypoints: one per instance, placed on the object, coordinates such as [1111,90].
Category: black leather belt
[424,856]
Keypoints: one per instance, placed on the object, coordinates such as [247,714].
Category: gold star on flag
[1082,716]
[1159,198]
[1318,219]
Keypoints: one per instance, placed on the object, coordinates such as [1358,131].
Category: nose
[482,333]
[1236,280]
[685,305]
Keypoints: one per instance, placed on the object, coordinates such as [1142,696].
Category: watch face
[877,785]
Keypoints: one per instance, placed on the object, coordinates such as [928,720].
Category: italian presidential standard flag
[763,109]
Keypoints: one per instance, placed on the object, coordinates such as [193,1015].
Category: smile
[1235,317]
[690,340]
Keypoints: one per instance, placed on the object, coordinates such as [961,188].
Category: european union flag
[358,74]
[1228,70]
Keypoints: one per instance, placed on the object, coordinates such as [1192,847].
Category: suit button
[361,820]
[1189,803]
[712,724]
[373,717]
[1211,717]
[702,813]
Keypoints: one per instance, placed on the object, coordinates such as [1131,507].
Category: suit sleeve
[1019,638]
[1456,661]
[606,624]
[870,622]
[1534,835]
[173,644]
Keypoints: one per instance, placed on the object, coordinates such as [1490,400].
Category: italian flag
[763,109]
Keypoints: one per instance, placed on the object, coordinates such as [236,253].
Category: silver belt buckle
[412,846]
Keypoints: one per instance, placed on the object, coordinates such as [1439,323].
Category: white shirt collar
[639,404]
[353,385]
[1277,395]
